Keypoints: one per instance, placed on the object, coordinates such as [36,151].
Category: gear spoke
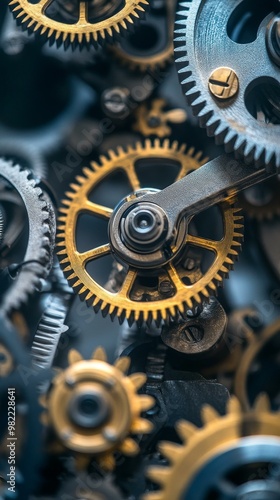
[212,245]
[98,210]
[128,283]
[174,276]
[94,253]
[83,13]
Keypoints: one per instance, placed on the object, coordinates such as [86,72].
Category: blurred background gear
[223,458]
[93,407]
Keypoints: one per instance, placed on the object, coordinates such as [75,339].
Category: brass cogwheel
[155,61]
[221,442]
[82,22]
[154,120]
[93,407]
[155,294]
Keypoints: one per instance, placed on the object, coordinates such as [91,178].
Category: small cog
[94,407]
[78,23]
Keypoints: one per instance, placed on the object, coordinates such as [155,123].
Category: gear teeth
[199,445]
[263,153]
[31,276]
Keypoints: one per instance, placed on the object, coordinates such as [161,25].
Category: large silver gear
[39,251]
[202,45]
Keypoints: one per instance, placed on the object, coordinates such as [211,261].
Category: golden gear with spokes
[200,445]
[72,26]
[136,300]
[93,407]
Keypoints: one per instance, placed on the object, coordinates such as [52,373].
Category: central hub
[143,227]
[138,232]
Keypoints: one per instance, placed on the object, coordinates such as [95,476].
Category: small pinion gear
[78,23]
[205,463]
[157,294]
[246,122]
[94,407]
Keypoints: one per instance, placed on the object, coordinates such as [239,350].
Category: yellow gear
[93,407]
[136,300]
[200,445]
[115,20]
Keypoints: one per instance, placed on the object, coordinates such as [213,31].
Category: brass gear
[154,120]
[93,407]
[218,435]
[136,301]
[257,343]
[152,62]
[35,18]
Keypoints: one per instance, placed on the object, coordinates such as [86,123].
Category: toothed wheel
[157,293]
[93,407]
[39,252]
[229,77]
[78,22]
[232,457]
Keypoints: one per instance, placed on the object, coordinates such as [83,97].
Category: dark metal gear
[38,255]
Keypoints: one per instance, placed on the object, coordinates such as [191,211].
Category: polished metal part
[218,179]
[200,335]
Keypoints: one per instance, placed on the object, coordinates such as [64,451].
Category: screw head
[194,334]
[166,287]
[223,83]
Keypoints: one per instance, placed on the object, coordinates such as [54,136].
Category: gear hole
[157,173]
[262,100]
[111,189]
[244,22]
[91,231]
